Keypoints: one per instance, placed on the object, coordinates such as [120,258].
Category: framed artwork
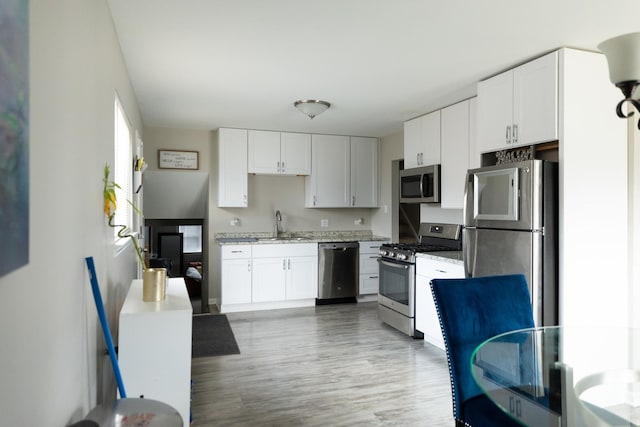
[14,135]
[178,159]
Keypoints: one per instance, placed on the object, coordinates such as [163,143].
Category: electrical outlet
[324,223]
[359,221]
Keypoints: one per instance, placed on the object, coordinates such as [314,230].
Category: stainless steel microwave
[420,185]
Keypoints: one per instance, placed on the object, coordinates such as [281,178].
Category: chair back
[471,311]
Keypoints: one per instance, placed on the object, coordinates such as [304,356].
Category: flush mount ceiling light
[623,56]
[311,107]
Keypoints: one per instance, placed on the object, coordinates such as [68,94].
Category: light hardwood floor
[333,365]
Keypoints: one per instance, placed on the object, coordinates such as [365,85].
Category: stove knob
[402,256]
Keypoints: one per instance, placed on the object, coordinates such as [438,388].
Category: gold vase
[154,284]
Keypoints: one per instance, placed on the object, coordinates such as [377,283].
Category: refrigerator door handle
[470,247]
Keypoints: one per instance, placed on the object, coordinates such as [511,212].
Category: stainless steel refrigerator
[510,226]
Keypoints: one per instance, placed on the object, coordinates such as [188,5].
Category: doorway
[178,245]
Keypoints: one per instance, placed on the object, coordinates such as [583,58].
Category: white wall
[391,148]
[634,221]
[593,195]
[52,369]
[156,138]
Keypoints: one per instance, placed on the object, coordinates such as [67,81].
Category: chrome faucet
[278,227]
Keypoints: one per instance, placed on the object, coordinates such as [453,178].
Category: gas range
[397,267]
[434,237]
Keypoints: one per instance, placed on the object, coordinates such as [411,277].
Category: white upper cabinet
[535,100]
[264,152]
[279,153]
[412,148]
[520,106]
[329,185]
[295,153]
[455,154]
[344,172]
[422,141]
[232,168]
[364,172]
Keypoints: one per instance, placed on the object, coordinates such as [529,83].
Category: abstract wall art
[14,135]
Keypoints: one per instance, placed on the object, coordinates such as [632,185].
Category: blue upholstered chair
[470,312]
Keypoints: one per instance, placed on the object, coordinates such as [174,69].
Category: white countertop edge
[442,257]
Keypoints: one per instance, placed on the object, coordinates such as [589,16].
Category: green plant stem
[121,234]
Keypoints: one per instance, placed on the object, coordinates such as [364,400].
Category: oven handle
[393,264]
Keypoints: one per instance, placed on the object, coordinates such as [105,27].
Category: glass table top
[562,376]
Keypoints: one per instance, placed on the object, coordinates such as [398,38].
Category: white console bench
[154,346]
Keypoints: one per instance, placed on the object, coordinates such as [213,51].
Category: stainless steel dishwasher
[338,272]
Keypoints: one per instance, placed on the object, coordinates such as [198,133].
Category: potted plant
[153,279]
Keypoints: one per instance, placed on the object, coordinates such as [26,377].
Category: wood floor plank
[332,365]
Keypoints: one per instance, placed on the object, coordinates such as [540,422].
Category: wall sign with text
[174,159]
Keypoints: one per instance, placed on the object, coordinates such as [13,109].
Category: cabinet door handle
[508,135]
[441,271]
[314,200]
[418,159]
[284,264]
[278,167]
[353,200]
[373,256]
[373,277]
[289,264]
[248,265]
[515,134]
[282,167]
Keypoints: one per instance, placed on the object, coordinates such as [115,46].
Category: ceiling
[204,64]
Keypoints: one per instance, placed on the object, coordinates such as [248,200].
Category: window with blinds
[123,175]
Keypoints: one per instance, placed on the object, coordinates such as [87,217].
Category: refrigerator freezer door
[509,197]
[490,252]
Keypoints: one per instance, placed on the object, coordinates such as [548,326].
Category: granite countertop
[297,237]
[454,257]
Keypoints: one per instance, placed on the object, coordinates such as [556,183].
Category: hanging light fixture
[623,57]
[311,107]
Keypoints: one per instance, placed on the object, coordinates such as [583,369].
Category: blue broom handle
[105,325]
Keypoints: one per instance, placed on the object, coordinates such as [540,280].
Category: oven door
[397,286]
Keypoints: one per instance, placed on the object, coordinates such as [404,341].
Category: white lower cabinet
[236,275]
[369,270]
[427,268]
[302,277]
[284,272]
[264,276]
[268,280]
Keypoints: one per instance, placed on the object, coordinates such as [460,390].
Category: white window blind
[122,172]
[191,238]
